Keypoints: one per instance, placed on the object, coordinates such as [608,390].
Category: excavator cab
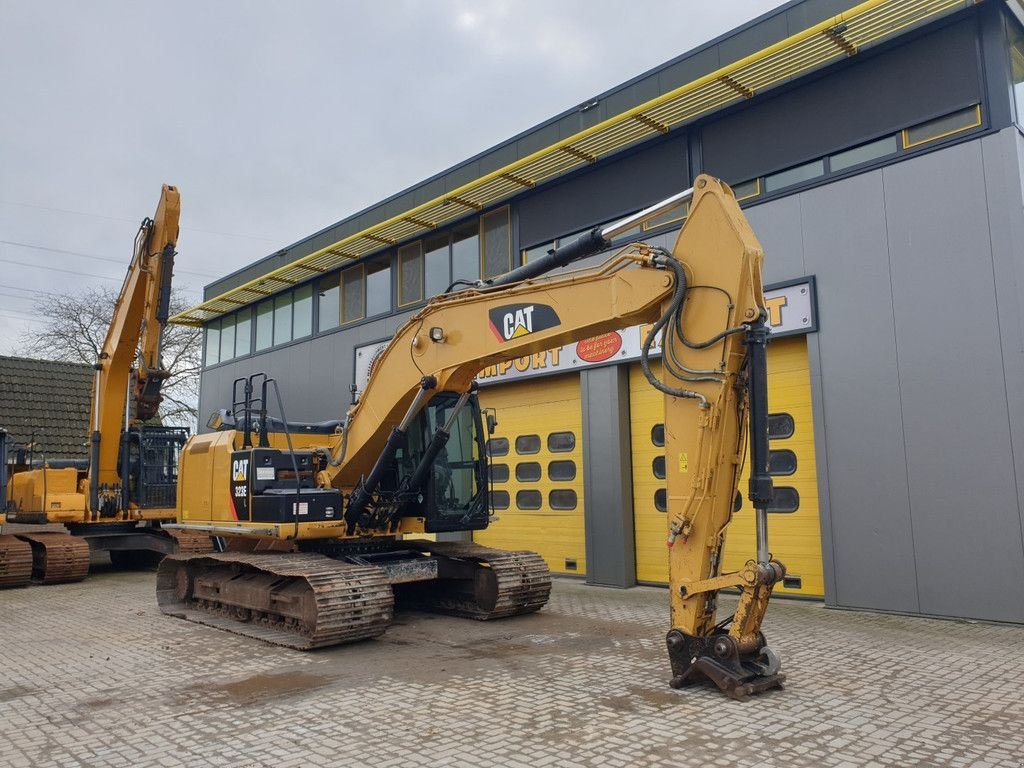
[149,465]
[453,495]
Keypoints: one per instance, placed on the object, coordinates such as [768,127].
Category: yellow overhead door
[537,470]
[793,527]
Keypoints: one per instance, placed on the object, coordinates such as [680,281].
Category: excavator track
[189,543]
[15,562]
[57,558]
[505,583]
[297,600]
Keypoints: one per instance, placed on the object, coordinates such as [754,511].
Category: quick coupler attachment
[739,667]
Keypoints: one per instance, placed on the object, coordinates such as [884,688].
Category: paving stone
[92,674]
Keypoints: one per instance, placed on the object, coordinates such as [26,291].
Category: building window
[352,294]
[328,302]
[746,190]
[671,216]
[529,254]
[410,273]
[497,243]
[562,499]
[499,473]
[942,127]
[497,446]
[661,500]
[264,325]
[213,343]
[437,274]
[282,318]
[792,176]
[561,442]
[528,499]
[658,467]
[243,332]
[528,471]
[227,338]
[865,153]
[658,435]
[1017,68]
[562,470]
[378,287]
[528,444]
[302,309]
[784,499]
[780,426]
[499,499]
[781,462]
[466,252]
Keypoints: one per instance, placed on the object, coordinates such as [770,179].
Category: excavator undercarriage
[61,557]
[307,600]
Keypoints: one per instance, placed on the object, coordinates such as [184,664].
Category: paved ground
[92,674]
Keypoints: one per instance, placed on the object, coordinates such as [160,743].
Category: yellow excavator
[117,499]
[321,519]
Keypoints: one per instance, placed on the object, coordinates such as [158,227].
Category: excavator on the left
[117,499]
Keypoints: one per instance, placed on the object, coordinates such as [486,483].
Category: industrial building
[878,151]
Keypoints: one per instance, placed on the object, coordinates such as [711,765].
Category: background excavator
[343,501]
[116,499]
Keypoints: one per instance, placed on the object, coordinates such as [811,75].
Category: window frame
[419,245]
[318,294]
[206,342]
[361,267]
[247,311]
[904,133]
[507,210]
[269,302]
[387,265]
[313,313]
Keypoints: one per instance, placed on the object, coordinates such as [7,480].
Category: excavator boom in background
[116,499]
[343,501]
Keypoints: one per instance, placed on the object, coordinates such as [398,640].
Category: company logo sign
[791,310]
[514,321]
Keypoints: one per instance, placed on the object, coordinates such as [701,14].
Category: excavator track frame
[504,583]
[15,562]
[298,600]
[57,558]
[306,600]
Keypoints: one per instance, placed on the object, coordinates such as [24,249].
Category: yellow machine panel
[794,537]
[537,466]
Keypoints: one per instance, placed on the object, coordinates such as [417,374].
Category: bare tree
[76,326]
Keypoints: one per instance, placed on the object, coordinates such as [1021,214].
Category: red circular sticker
[599,348]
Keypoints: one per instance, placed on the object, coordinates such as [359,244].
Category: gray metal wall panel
[778,227]
[963,500]
[607,477]
[1003,156]
[828,558]
[861,460]
[604,192]
[937,73]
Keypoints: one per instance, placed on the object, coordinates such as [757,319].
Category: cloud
[278,119]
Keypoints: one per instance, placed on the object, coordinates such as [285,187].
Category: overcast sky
[275,119]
